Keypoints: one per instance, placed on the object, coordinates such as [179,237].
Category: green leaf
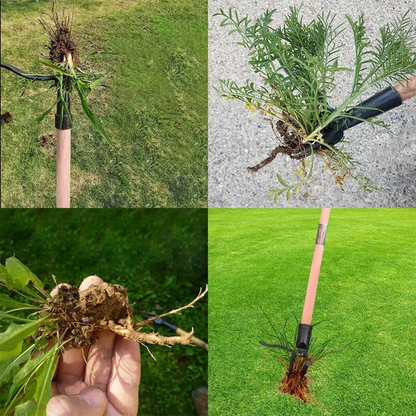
[8,280]
[43,115]
[281,180]
[101,53]
[97,82]
[21,273]
[17,333]
[26,409]
[8,301]
[8,356]
[26,372]
[9,368]
[92,117]
[55,68]
[44,386]
[9,317]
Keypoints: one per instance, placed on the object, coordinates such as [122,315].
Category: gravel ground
[238,138]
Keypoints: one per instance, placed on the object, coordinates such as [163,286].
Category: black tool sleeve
[378,104]
[62,119]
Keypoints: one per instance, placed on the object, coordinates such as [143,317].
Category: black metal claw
[305,367]
[22,74]
[293,354]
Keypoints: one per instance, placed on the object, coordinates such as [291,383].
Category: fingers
[90,280]
[123,388]
[90,401]
[100,359]
[101,353]
[71,366]
[54,291]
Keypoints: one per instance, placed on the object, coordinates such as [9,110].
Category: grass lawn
[155,109]
[366,300]
[160,256]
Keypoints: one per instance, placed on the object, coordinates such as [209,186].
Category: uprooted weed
[80,313]
[59,29]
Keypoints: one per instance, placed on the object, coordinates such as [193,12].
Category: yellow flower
[251,107]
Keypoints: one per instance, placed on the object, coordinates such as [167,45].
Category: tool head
[158,321]
[292,360]
[303,339]
[32,77]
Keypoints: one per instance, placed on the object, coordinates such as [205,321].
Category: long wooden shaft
[315,268]
[63,168]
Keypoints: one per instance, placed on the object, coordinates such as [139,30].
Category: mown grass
[366,300]
[155,109]
[160,256]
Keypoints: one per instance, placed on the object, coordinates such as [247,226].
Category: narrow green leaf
[17,333]
[43,115]
[92,117]
[8,301]
[9,368]
[281,180]
[55,68]
[44,386]
[97,82]
[101,53]
[5,316]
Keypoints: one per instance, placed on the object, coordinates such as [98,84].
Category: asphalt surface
[238,138]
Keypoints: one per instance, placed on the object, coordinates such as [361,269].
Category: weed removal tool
[68,75]
[63,127]
[178,331]
[295,382]
[299,64]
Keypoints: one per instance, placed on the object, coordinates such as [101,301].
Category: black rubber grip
[303,339]
[378,104]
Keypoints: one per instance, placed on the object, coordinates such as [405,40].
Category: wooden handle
[315,268]
[408,89]
[194,340]
[63,168]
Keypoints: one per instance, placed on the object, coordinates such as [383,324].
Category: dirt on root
[291,144]
[79,314]
[58,26]
[105,307]
[297,383]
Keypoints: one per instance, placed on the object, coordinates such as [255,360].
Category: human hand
[115,363]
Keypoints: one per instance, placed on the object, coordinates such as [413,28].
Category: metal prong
[305,367]
[292,362]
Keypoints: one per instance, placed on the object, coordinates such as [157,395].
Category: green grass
[155,110]
[366,298]
[160,256]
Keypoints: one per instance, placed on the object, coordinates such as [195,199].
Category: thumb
[90,401]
